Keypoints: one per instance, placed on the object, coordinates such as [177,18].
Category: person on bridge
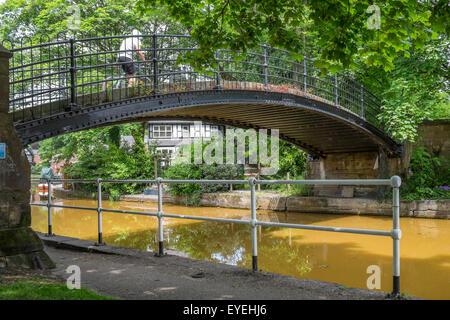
[129,45]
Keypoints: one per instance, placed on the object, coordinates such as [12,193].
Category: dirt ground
[9,276]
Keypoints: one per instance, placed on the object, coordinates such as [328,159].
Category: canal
[327,256]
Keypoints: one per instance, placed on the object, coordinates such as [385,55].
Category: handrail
[393,182]
[88,64]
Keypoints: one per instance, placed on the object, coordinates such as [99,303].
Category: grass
[406,296]
[29,284]
[38,290]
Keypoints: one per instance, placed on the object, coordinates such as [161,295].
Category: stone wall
[19,245]
[434,135]
[363,165]
[273,201]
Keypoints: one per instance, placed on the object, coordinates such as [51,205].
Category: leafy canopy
[430,178]
[416,90]
[338,28]
[48,19]
[100,154]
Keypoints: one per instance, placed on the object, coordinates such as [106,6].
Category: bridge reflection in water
[335,257]
[64,85]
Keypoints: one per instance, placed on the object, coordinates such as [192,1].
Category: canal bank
[272,200]
[127,273]
[439,209]
[325,256]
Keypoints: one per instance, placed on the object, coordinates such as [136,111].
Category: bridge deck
[66,85]
[310,122]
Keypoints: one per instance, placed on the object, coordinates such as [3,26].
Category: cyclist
[128,46]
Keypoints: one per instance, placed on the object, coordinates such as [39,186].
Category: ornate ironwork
[53,77]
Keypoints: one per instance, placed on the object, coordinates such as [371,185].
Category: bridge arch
[311,125]
[76,84]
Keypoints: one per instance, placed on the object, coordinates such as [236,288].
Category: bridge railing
[395,233]
[64,75]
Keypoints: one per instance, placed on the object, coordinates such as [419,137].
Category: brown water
[328,256]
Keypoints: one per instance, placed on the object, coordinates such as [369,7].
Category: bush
[430,175]
[220,172]
[296,189]
[193,192]
[185,171]
[104,158]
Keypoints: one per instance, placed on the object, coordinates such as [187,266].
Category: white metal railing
[395,233]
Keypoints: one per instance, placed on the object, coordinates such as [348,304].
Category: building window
[185,130]
[198,130]
[214,131]
[162,131]
[165,150]
[164,161]
[207,131]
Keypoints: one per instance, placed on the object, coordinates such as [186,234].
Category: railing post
[155,65]
[99,211]
[73,91]
[252,182]
[266,75]
[160,221]
[49,208]
[396,234]
[362,102]
[336,96]
[304,72]
[218,86]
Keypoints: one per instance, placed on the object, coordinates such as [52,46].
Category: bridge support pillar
[355,165]
[19,244]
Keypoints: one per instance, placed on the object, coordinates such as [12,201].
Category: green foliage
[338,28]
[429,173]
[405,62]
[441,110]
[185,171]
[193,192]
[292,160]
[220,172]
[36,290]
[294,189]
[36,18]
[402,110]
[405,296]
[299,189]
[99,155]
[416,90]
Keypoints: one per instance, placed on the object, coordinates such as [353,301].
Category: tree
[49,19]
[100,155]
[417,89]
[339,28]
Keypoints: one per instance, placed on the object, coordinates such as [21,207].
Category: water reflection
[328,256]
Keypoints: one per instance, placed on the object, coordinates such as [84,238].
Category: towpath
[134,274]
